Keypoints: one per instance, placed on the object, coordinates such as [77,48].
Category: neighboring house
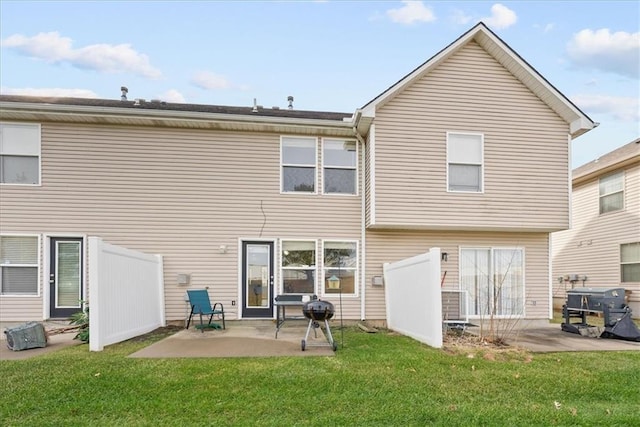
[603,243]
[469,152]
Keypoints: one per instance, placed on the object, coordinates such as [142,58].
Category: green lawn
[375,380]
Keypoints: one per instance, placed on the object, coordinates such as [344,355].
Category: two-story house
[469,152]
[602,248]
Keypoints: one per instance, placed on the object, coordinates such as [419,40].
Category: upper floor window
[611,189]
[630,262]
[19,153]
[18,265]
[340,267]
[339,161]
[298,267]
[298,159]
[465,162]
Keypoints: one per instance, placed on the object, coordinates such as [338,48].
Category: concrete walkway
[545,337]
[55,342]
[257,339]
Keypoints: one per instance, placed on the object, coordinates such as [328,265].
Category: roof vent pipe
[124,93]
[255,106]
[290,99]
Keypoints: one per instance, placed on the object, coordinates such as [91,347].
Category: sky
[328,55]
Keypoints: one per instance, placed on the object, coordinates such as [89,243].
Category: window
[298,157]
[464,162]
[630,262]
[612,193]
[298,267]
[340,267]
[339,159]
[19,265]
[19,153]
[494,280]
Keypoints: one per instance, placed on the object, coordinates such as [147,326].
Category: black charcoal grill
[318,311]
[610,303]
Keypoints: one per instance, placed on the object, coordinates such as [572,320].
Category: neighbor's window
[630,262]
[18,265]
[339,161]
[298,156]
[464,162]
[298,267]
[19,153]
[612,192]
[340,267]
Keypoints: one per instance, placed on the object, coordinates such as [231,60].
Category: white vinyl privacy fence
[126,293]
[413,297]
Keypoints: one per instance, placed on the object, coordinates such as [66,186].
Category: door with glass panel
[65,277]
[494,280]
[257,279]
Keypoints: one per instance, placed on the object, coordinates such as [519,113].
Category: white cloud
[545,28]
[172,95]
[411,12]
[45,92]
[54,48]
[460,18]
[619,107]
[501,17]
[617,52]
[209,80]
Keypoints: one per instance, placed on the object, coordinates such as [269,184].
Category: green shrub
[81,318]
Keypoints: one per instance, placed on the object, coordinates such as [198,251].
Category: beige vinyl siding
[525,151]
[175,192]
[19,308]
[391,246]
[592,246]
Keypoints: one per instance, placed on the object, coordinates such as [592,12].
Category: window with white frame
[298,158]
[340,267]
[494,280]
[611,188]
[298,267]
[339,159]
[19,153]
[18,265]
[630,262]
[465,162]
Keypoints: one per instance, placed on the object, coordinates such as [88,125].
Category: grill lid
[318,310]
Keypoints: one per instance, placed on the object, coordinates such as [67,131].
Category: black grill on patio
[318,311]
[610,303]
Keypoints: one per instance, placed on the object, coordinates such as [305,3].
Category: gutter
[130,113]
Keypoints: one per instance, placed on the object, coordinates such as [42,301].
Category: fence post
[95,329]
[163,317]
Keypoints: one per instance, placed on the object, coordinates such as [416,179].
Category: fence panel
[413,297]
[126,293]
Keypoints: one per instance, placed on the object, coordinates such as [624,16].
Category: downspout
[363,246]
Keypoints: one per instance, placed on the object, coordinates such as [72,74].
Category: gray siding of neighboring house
[526,151]
[592,246]
[180,193]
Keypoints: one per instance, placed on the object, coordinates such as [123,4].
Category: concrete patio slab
[240,339]
[545,337]
[55,343]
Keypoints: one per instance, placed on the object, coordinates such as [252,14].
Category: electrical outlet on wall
[233,302]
